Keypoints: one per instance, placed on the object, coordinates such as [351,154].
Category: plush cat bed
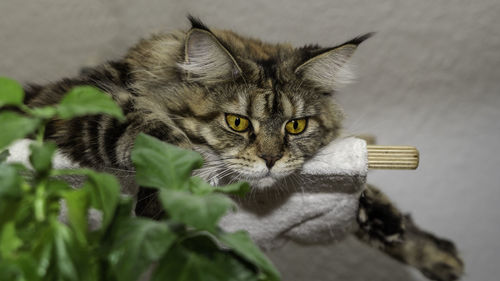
[317,205]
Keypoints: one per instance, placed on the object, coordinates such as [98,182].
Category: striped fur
[383,226]
[179,86]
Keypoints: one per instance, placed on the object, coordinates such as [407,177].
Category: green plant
[188,245]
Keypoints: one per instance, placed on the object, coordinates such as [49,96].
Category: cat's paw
[383,226]
[443,272]
[435,257]
[379,219]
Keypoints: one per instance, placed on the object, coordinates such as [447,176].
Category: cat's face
[260,135]
[255,111]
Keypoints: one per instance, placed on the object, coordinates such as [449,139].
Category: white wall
[429,78]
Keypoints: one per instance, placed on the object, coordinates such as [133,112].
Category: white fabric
[317,206]
[20,152]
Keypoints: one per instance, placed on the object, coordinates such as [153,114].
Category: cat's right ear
[328,69]
[206,59]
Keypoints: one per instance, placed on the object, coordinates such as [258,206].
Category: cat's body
[255,111]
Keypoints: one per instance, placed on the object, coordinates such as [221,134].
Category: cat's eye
[296,126]
[237,123]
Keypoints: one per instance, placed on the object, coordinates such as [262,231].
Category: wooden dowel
[402,147]
[392,157]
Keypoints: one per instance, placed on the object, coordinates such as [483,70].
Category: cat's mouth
[263,179]
[264,182]
[258,176]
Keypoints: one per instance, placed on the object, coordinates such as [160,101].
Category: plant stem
[41,132]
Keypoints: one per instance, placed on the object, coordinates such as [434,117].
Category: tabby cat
[259,110]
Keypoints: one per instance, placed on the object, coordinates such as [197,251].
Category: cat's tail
[383,226]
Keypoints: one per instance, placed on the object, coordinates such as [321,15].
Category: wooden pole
[392,157]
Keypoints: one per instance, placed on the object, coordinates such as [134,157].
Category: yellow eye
[237,123]
[296,126]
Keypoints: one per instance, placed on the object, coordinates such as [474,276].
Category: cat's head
[256,111]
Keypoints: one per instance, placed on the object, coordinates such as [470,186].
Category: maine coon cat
[258,110]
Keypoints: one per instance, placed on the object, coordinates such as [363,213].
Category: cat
[259,109]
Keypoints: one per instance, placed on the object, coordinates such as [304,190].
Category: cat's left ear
[328,69]
[205,57]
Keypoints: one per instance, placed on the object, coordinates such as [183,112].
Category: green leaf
[104,192]
[239,188]
[59,255]
[181,264]
[14,126]
[28,267]
[9,242]
[63,240]
[88,100]
[201,242]
[124,209]
[199,211]
[41,155]
[23,267]
[10,271]
[10,182]
[42,249]
[163,165]
[45,112]
[11,208]
[242,244]
[198,186]
[137,243]
[4,155]
[57,187]
[11,92]
[78,202]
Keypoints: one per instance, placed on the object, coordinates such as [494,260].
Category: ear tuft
[197,23]
[360,39]
[329,69]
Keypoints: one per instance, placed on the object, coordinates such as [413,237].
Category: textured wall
[429,78]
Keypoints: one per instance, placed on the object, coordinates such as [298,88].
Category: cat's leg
[383,226]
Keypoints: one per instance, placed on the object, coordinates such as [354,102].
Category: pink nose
[270,159]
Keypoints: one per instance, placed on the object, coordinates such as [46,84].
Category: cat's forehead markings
[288,110]
[234,107]
[299,107]
[243,104]
[256,125]
[271,102]
[269,83]
[311,110]
[259,106]
[235,103]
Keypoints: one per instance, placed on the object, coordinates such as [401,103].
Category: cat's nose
[270,159]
